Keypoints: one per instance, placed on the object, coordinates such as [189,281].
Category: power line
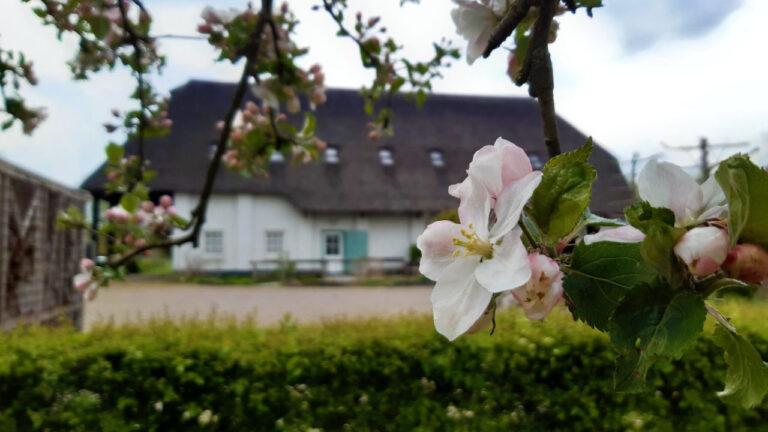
[704,148]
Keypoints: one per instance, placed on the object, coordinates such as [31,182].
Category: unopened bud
[703,249]
[747,262]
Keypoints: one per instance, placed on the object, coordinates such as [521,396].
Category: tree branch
[199,212]
[542,81]
[133,38]
[507,25]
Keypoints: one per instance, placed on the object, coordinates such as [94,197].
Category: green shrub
[384,375]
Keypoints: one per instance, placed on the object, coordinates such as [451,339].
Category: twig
[328,6]
[542,82]
[507,25]
[134,41]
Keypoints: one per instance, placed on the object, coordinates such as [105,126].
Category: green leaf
[309,124]
[563,194]
[746,188]
[651,321]
[661,235]
[746,378]
[594,220]
[100,26]
[130,202]
[114,153]
[599,277]
[421,97]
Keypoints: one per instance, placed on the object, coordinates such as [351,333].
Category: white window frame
[209,246]
[386,157]
[331,155]
[437,157]
[269,238]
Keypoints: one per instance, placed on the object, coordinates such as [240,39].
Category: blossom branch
[198,213]
[516,13]
[134,41]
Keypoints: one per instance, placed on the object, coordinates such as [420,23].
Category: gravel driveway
[133,301]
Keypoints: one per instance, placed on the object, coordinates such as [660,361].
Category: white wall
[244,221]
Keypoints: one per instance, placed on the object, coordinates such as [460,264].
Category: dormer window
[386,157]
[331,155]
[537,162]
[436,156]
[276,157]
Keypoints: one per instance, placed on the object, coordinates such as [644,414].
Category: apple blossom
[84,281]
[496,167]
[165,201]
[747,262]
[623,234]
[703,249]
[474,22]
[663,184]
[473,260]
[544,289]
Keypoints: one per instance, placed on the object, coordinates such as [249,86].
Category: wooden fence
[37,260]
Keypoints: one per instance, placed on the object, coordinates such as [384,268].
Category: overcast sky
[639,73]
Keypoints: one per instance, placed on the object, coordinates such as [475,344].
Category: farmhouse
[362,200]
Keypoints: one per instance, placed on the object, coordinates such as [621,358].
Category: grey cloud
[646,22]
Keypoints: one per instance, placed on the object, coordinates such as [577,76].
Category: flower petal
[624,234]
[436,246]
[475,208]
[458,301]
[663,184]
[511,202]
[515,162]
[485,168]
[508,269]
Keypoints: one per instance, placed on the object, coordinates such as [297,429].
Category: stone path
[134,301]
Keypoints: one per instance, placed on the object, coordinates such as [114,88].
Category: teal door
[355,247]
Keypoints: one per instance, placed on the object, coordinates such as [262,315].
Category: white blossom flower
[704,249]
[84,282]
[472,261]
[623,234]
[664,184]
[474,22]
[544,289]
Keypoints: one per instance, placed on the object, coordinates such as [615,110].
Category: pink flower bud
[284,8]
[113,175]
[220,125]
[316,68]
[359,16]
[236,136]
[172,211]
[373,21]
[110,127]
[204,28]
[115,112]
[318,97]
[252,107]
[320,144]
[167,123]
[138,217]
[86,264]
[128,239]
[747,262]
[140,243]
[147,252]
[148,206]
[703,249]
[165,201]
[293,105]
[282,117]
[373,135]
[543,290]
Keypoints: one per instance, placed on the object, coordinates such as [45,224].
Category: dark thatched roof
[456,125]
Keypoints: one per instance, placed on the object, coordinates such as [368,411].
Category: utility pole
[636,159]
[704,148]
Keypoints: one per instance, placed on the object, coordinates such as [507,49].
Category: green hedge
[396,375]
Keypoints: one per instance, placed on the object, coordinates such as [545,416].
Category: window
[436,156]
[274,241]
[214,242]
[386,157]
[276,157]
[332,244]
[331,155]
[536,161]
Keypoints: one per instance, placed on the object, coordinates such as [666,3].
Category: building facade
[362,203]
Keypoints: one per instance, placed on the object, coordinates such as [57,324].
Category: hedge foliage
[383,375]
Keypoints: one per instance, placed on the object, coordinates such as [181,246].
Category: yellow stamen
[473,245]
